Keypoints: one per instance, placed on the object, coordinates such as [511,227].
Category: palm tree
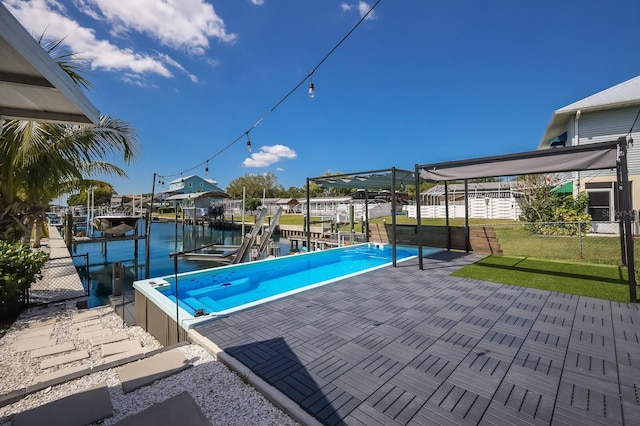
[40,161]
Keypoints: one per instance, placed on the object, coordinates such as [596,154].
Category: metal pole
[393,214]
[308,224]
[147,240]
[418,216]
[466,215]
[175,277]
[625,196]
[446,214]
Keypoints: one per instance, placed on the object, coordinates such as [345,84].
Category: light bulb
[206,170]
[311,90]
[248,145]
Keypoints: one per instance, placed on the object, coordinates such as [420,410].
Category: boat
[115,225]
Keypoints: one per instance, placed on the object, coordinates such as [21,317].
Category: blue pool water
[224,289]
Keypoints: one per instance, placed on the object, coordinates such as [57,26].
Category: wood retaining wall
[482,239]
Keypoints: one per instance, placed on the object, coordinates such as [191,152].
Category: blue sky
[418,82]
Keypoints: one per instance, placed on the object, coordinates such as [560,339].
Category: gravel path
[222,396]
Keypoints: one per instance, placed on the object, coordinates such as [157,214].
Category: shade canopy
[32,85]
[594,156]
[377,179]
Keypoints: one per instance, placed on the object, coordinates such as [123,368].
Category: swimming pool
[219,291]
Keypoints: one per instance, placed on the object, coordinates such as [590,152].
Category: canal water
[166,238]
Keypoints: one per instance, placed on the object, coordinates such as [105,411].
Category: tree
[40,161]
[547,212]
[102,193]
[255,185]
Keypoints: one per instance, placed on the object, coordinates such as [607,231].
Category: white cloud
[184,25]
[362,7]
[257,2]
[269,155]
[179,24]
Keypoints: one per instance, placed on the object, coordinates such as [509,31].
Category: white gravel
[221,394]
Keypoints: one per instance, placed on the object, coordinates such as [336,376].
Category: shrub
[20,266]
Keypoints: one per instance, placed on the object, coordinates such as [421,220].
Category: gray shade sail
[594,156]
[32,85]
[380,179]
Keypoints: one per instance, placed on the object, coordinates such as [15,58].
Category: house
[195,193]
[604,116]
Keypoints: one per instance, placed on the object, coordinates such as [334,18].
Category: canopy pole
[393,214]
[308,221]
[466,214]
[418,217]
[446,214]
[626,216]
[366,215]
[147,241]
[618,204]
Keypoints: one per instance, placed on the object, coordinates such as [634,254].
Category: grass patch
[600,281]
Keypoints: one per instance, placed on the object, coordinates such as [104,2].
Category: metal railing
[63,278]
[591,242]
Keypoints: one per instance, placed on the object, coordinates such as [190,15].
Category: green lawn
[601,281]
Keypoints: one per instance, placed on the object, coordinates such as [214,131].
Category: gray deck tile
[411,380]
[591,366]
[498,414]
[366,415]
[405,346]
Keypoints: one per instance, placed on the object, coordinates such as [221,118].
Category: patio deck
[404,346]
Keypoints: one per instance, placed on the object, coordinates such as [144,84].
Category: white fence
[480,208]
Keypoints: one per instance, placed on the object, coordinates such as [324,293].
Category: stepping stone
[120,359]
[79,409]
[180,409]
[86,335]
[64,359]
[146,371]
[31,344]
[109,339]
[42,323]
[119,347]
[56,377]
[52,350]
[92,327]
[85,324]
[85,315]
[28,333]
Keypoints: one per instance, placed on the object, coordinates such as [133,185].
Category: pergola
[32,85]
[385,179]
[596,156]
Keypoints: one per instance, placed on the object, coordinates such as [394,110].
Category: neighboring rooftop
[621,95]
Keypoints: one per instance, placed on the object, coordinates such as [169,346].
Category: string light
[206,169]
[311,93]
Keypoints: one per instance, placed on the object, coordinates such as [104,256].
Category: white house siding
[602,126]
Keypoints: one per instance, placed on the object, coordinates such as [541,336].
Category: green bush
[20,266]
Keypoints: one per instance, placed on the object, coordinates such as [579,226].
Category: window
[600,205]
[190,184]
